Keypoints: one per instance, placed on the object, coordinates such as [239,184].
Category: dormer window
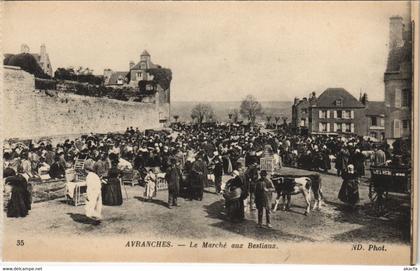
[339,102]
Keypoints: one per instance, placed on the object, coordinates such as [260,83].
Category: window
[302,122]
[406,98]
[406,124]
[397,128]
[338,127]
[323,127]
[397,98]
[382,121]
[139,75]
[339,114]
[372,134]
[374,121]
[339,102]
[323,114]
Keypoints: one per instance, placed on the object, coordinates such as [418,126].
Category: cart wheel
[379,204]
[378,199]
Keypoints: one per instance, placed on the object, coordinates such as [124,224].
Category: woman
[20,199]
[111,190]
[234,200]
[349,191]
[93,192]
[150,187]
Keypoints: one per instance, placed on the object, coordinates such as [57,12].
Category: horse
[288,185]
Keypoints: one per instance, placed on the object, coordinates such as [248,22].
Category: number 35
[20,243]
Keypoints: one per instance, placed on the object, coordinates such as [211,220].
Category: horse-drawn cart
[386,180]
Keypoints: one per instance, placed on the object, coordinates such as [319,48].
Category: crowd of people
[186,156]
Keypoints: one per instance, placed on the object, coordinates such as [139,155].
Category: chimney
[130,65]
[396,29]
[24,49]
[43,49]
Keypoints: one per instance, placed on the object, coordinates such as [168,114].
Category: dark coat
[263,193]
[173,177]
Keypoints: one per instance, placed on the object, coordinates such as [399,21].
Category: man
[218,173]
[263,196]
[379,157]
[252,176]
[198,175]
[173,177]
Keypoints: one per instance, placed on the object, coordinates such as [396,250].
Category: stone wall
[29,113]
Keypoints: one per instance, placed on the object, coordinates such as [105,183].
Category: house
[150,81]
[136,73]
[375,119]
[335,111]
[398,81]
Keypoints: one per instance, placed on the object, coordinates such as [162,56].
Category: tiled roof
[375,108]
[329,97]
[151,66]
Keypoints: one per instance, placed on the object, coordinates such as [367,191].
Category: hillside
[222,109]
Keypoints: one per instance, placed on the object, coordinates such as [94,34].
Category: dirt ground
[204,219]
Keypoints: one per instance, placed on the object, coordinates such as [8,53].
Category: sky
[218,51]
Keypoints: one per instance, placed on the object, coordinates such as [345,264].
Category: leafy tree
[235,115]
[176,117]
[251,108]
[268,117]
[26,62]
[202,112]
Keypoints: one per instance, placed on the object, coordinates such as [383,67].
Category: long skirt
[19,204]
[150,190]
[235,209]
[94,204]
[349,192]
[111,194]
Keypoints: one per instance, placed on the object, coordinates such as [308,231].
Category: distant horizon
[218,50]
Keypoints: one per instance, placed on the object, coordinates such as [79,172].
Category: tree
[230,115]
[176,117]
[235,114]
[250,108]
[268,117]
[276,118]
[202,112]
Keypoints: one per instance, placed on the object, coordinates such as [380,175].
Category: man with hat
[173,176]
[263,196]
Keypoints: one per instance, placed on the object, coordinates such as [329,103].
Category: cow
[288,185]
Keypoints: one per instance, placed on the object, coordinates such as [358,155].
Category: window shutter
[352,114]
[382,121]
[352,127]
[398,98]
[320,126]
[320,114]
[328,114]
[397,128]
[335,114]
[328,127]
[335,126]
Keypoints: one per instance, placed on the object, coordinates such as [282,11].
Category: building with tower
[398,81]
